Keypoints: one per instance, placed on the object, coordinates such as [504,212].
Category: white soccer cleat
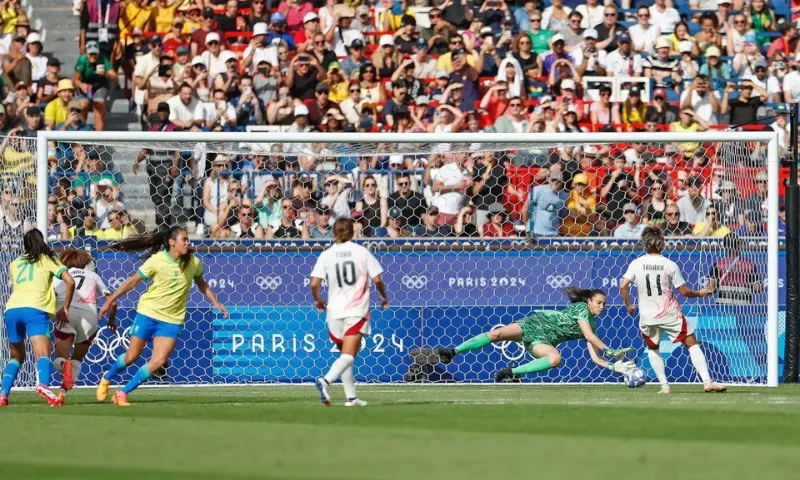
[665,389]
[355,402]
[323,387]
[712,387]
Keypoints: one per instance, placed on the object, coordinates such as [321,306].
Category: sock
[474,343]
[9,376]
[58,364]
[349,383]
[76,369]
[341,364]
[44,368]
[140,377]
[116,367]
[537,365]
[699,362]
[658,365]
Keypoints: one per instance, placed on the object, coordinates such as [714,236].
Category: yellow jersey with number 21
[32,284]
[167,296]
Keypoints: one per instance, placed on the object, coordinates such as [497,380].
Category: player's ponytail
[35,246]
[154,243]
[576,294]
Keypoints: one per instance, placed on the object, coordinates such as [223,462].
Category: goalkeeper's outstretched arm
[594,345]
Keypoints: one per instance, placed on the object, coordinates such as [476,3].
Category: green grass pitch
[408,432]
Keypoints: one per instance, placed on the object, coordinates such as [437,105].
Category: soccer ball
[634,377]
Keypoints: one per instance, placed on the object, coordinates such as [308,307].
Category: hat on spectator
[260,28]
[590,33]
[395,159]
[750,38]
[630,207]
[105,182]
[508,19]
[33,111]
[760,64]
[92,47]
[580,178]
[421,44]
[623,37]
[712,51]
[362,10]
[178,21]
[442,74]
[635,90]
[762,176]
[556,175]
[53,62]
[663,42]
[487,31]
[322,208]
[155,39]
[357,43]
[193,7]
[395,213]
[568,84]
[212,37]
[347,13]
[34,37]
[300,110]
[198,60]
[408,20]
[75,104]
[457,52]
[723,2]
[322,87]
[422,100]
[310,17]
[334,66]
[496,208]
[208,12]
[20,84]
[278,18]
[163,107]
[659,92]
[727,185]
[65,84]
[23,22]
[228,55]
[556,38]
[183,49]
[386,40]
[137,32]
[685,46]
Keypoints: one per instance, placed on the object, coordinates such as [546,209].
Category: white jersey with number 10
[656,277]
[348,268]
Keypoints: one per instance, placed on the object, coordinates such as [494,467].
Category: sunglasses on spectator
[435,15]
[605,94]
[643,15]
[739,22]
[285,207]
[370,185]
[403,184]
[708,214]
[213,42]
[515,104]
[672,214]
[330,184]
[535,19]
[612,14]
[355,90]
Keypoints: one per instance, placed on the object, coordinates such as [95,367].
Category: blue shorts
[147,328]
[26,321]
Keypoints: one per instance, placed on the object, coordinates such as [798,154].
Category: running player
[82,326]
[542,331]
[28,312]
[347,267]
[656,277]
[161,312]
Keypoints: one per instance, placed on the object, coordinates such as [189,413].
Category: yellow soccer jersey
[32,284]
[167,296]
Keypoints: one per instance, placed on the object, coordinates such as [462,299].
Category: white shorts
[82,324]
[342,327]
[677,329]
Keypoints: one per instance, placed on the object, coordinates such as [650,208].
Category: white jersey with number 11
[348,268]
[656,277]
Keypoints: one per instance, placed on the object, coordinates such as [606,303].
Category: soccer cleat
[712,387]
[446,355]
[102,390]
[3,400]
[503,374]
[62,397]
[355,402]
[120,399]
[68,381]
[48,396]
[324,393]
[665,389]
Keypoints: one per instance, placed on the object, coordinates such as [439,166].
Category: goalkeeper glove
[620,367]
[618,353]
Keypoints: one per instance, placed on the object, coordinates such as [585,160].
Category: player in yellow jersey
[29,309]
[172,267]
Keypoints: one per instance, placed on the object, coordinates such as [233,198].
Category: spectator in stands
[304,39]
[589,61]
[47,85]
[601,226]
[424,65]
[304,73]
[745,59]
[540,37]
[405,38]
[104,201]
[693,206]
[104,15]
[623,61]
[57,225]
[489,179]
[405,72]
[689,122]
[743,110]
[249,108]
[119,226]
[662,67]
[757,202]
[710,226]
[57,110]
[736,36]
[709,35]
[433,225]
[549,60]
[337,195]
[74,120]
[680,35]
[294,12]
[729,203]
[258,13]
[644,35]
[175,37]
[660,110]
[386,58]
[591,13]
[277,33]
[31,125]
[325,57]
[147,64]
[753,226]
[610,29]
[714,68]
[216,190]
[341,32]
[258,50]
[34,54]
[449,184]
[581,207]
[633,110]
[266,81]
[16,65]
[700,99]
[286,229]
[674,226]
[545,206]
[159,87]
[655,203]
[762,18]
[498,225]
[373,206]
[631,229]
[363,22]
[786,43]
[245,226]
[351,106]
[93,77]
[322,225]
[182,108]
[556,16]
[573,34]
[664,17]
[198,42]
[301,123]
[13,225]
[603,111]
[411,203]
[399,97]
[464,226]
[269,199]
[618,189]
[396,226]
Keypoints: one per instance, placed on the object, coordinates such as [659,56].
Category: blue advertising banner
[437,298]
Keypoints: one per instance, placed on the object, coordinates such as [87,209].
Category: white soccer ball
[634,377]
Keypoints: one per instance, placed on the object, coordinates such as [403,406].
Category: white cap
[211,37]
[663,42]
[557,37]
[300,109]
[386,40]
[568,83]
[260,28]
[228,55]
[721,2]
[685,46]
[395,159]
[487,31]
[33,37]
[198,60]
[105,182]
[590,33]
[310,16]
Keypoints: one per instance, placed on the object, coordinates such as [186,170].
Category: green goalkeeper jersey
[553,327]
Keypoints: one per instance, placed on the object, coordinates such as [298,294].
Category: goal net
[473,232]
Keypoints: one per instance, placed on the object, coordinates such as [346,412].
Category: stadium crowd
[417,66]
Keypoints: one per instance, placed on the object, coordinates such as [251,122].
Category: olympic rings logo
[268,283]
[416,282]
[559,281]
[511,351]
[115,282]
[104,348]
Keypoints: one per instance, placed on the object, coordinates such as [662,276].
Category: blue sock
[44,367]
[116,367]
[9,376]
[140,377]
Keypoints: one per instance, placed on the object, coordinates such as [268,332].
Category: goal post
[446,288]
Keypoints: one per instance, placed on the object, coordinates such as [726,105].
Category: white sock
[341,364]
[76,369]
[58,364]
[700,364]
[349,383]
[658,365]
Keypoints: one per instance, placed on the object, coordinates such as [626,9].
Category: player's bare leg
[546,357]
[17,354]
[131,355]
[40,344]
[62,364]
[700,364]
[349,349]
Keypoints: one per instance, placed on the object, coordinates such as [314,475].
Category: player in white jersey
[656,278]
[348,268]
[82,326]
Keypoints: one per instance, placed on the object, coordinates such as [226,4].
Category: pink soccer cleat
[48,395]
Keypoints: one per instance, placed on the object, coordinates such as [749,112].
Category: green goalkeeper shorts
[532,332]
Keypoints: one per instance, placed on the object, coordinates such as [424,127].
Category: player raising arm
[656,277]
[542,331]
[82,326]
[161,312]
[347,267]
[29,309]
